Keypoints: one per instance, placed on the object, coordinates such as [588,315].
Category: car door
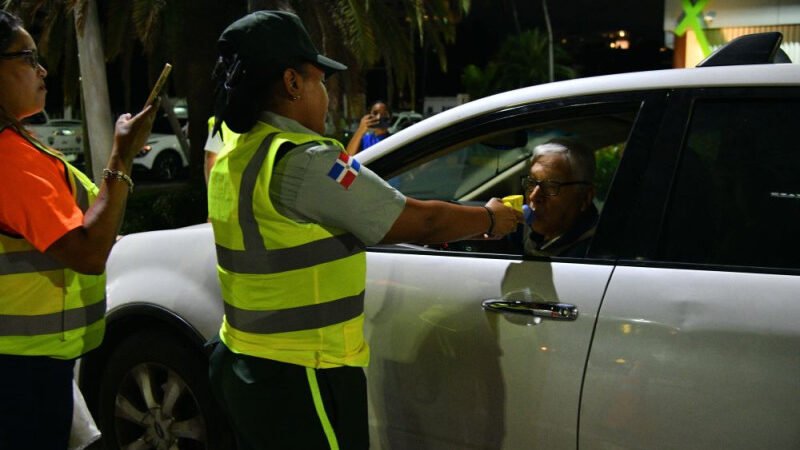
[697,339]
[446,373]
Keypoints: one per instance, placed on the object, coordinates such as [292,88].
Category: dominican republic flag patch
[345,170]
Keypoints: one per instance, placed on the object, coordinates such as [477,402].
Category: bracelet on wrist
[109,174]
[491,221]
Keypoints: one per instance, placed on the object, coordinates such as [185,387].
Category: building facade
[693,28]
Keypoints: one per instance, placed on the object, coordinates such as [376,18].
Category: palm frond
[352,20]
[146,15]
[51,40]
[118,27]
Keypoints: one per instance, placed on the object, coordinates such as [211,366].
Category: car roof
[724,76]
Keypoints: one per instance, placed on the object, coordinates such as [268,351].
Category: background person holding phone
[373,128]
[56,231]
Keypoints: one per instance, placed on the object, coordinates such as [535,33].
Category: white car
[403,120]
[677,329]
[64,135]
[162,157]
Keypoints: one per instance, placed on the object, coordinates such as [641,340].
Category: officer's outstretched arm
[431,221]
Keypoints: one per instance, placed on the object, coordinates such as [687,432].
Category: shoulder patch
[345,170]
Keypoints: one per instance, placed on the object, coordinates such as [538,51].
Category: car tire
[155,393]
[167,165]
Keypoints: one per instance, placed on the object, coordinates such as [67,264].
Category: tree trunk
[169,110]
[96,103]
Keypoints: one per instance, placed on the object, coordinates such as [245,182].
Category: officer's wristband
[491,221]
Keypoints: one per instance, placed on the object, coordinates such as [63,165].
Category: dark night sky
[480,33]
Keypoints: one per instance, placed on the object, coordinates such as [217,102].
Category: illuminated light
[612,45]
[620,361]
[622,44]
[622,33]
[543,348]
[626,328]
[146,149]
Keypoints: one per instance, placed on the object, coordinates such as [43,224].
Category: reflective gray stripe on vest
[81,195]
[285,259]
[295,319]
[15,325]
[247,217]
[27,262]
[256,258]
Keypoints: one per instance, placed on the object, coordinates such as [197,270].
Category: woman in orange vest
[56,231]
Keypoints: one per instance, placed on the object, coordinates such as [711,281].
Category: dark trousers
[35,402]
[272,404]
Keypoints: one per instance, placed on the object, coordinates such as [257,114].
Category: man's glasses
[30,56]
[548,188]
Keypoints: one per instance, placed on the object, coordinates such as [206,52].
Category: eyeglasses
[31,57]
[548,188]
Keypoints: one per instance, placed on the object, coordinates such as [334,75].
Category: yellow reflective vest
[47,309]
[293,292]
[228,137]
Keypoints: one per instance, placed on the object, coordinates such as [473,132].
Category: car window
[491,164]
[468,171]
[736,197]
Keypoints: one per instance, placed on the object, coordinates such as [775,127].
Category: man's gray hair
[579,156]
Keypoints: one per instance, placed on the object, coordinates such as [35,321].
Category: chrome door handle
[556,311]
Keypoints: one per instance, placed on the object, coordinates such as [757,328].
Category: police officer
[292,213]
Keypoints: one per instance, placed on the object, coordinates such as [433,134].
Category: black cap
[271,39]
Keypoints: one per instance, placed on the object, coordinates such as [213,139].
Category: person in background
[215,143]
[292,213]
[373,128]
[56,231]
[560,191]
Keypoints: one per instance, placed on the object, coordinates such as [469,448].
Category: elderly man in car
[559,189]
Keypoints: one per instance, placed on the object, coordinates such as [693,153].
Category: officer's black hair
[243,91]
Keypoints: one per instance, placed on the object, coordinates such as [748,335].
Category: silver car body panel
[694,359]
[173,269]
[446,374]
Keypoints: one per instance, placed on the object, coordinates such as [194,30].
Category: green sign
[692,18]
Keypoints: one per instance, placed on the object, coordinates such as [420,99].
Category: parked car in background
[404,119]
[64,135]
[162,157]
[681,319]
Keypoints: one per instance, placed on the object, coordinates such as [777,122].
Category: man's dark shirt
[574,243]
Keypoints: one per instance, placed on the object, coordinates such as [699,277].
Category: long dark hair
[244,90]
[9,26]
